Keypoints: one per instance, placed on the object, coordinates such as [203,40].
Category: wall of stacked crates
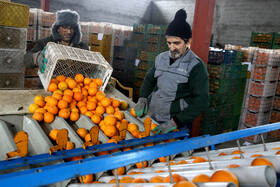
[269,40]
[13,35]
[275,113]
[148,41]
[261,91]
[227,81]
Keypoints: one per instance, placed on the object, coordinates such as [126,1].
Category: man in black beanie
[176,88]
[66,31]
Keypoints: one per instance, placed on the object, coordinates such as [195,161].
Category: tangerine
[110,131]
[62,104]
[201,178]
[141,164]
[99,82]
[67,98]
[52,87]
[74,116]
[92,91]
[60,78]
[139,180]
[62,86]
[156,179]
[110,120]
[237,152]
[72,84]
[132,112]
[52,109]
[176,178]
[53,134]
[48,117]
[95,118]
[82,132]
[38,116]
[79,78]
[32,108]
[182,162]
[91,105]
[110,110]
[86,178]
[131,127]
[199,159]
[105,102]
[261,162]
[126,179]
[69,145]
[68,92]
[78,96]
[87,80]
[224,176]
[185,184]
[64,113]
[120,171]
[223,154]
[233,166]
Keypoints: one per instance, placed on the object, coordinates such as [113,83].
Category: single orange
[41,110]
[110,110]
[139,180]
[82,132]
[131,127]
[236,157]
[52,101]
[261,162]
[110,120]
[156,179]
[67,98]
[70,145]
[48,117]
[99,82]
[224,176]
[75,110]
[120,171]
[91,105]
[236,152]
[52,87]
[60,78]
[201,178]
[93,85]
[185,184]
[276,148]
[32,108]
[88,114]
[126,148]
[79,78]
[78,96]
[115,103]
[68,92]
[112,181]
[62,104]
[233,166]
[52,109]
[141,164]
[92,91]
[126,179]
[38,97]
[84,91]
[110,130]
[71,84]
[132,112]
[57,96]
[199,159]
[182,162]
[62,86]
[223,154]
[74,116]
[278,153]
[87,80]
[256,155]
[100,95]
[81,103]
[162,159]
[64,113]
[53,134]
[87,137]
[95,118]
[135,133]
[159,171]
[54,81]
[103,153]
[86,178]
[38,116]
[123,105]
[176,178]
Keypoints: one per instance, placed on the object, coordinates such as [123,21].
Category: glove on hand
[166,127]
[141,108]
[41,60]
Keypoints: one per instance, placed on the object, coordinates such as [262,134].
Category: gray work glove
[166,127]
[141,108]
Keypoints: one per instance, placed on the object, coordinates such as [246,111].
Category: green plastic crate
[220,71]
[238,57]
[156,29]
[140,46]
[140,28]
[208,128]
[258,37]
[219,85]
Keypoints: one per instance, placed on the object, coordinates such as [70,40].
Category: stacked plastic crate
[124,65]
[261,91]
[275,114]
[262,40]
[149,40]
[32,28]
[13,35]
[100,42]
[276,41]
[227,80]
[45,22]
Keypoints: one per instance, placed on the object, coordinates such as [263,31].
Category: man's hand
[41,60]
[141,108]
[166,127]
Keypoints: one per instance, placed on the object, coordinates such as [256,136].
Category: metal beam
[45,5]
[201,35]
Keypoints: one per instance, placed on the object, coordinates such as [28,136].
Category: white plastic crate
[33,16]
[85,29]
[276,103]
[254,138]
[43,32]
[11,60]
[262,72]
[262,88]
[31,33]
[259,103]
[13,38]
[253,118]
[266,57]
[69,61]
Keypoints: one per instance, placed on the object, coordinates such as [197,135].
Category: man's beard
[174,55]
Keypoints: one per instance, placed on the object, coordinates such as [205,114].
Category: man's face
[177,46]
[66,33]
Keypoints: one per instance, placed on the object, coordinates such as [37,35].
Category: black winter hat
[67,18]
[179,27]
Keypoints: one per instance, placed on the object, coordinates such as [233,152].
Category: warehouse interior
[73,122]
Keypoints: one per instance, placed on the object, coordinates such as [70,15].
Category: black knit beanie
[179,27]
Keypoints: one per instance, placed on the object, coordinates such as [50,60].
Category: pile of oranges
[72,97]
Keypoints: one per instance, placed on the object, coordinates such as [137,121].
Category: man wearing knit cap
[176,88]
[66,31]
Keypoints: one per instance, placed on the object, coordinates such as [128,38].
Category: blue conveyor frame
[60,172]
